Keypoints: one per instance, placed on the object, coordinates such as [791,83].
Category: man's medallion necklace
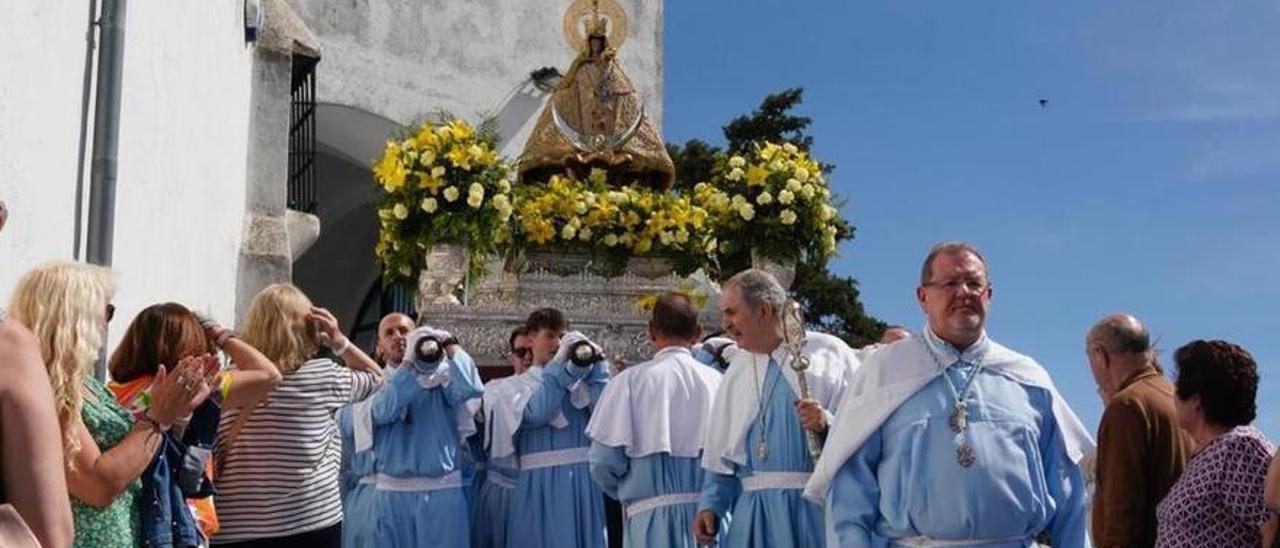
[762,444]
[959,421]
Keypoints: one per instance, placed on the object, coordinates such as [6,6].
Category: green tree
[831,301]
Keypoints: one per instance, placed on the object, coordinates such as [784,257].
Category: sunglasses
[111,312]
[521,352]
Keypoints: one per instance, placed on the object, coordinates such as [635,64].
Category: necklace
[959,421]
[762,444]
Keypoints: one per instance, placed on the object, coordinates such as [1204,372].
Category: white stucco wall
[41,71]
[182,155]
[401,59]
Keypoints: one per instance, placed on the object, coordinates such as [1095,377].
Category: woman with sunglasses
[105,449]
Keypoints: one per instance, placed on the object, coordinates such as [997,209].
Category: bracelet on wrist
[146,418]
[344,348]
[224,336]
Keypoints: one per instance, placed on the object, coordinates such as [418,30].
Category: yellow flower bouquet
[773,201]
[443,183]
[612,224]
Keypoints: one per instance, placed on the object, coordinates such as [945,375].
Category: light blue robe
[493,504]
[558,506]
[905,482]
[773,518]
[630,480]
[424,441]
[359,503]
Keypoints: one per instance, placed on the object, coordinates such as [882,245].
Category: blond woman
[279,480]
[67,306]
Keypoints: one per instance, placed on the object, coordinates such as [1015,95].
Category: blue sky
[1148,184]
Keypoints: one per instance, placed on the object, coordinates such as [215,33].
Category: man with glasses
[950,438]
[493,498]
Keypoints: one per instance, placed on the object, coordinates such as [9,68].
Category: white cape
[831,367]
[504,410]
[659,406]
[896,372]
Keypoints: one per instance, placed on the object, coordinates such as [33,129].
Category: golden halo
[581,12]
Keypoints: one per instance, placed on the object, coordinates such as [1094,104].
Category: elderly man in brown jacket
[1141,448]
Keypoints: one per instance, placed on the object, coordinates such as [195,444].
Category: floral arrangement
[443,183]
[773,201]
[645,303]
[612,223]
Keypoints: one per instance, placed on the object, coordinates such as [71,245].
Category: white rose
[737,161]
[787,217]
[747,212]
[736,174]
[802,175]
[429,205]
[827,212]
[785,197]
[580,208]
[476,188]
[585,234]
[568,232]
[451,193]
[501,201]
[777,165]
[764,198]
[610,240]
[790,148]
[475,200]
[793,185]
[400,211]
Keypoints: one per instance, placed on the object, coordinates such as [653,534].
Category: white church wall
[182,151]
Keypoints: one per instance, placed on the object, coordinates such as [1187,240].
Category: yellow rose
[401,212]
[643,246]
[787,217]
[429,205]
[451,193]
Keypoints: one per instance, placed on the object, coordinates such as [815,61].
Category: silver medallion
[959,418]
[965,455]
[762,451]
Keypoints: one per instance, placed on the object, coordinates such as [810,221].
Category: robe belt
[500,480]
[774,480]
[926,542]
[546,459]
[653,503]
[451,480]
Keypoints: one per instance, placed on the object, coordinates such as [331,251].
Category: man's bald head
[1121,334]
[393,334]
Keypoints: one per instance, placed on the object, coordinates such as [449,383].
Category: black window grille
[302,135]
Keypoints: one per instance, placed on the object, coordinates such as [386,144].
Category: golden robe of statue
[595,118]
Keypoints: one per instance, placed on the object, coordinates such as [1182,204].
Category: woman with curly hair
[1217,502]
[278,485]
[67,305]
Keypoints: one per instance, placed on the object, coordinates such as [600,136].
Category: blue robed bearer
[647,432]
[413,429]
[756,453]
[951,439]
[555,504]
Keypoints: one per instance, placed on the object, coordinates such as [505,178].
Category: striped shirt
[280,477]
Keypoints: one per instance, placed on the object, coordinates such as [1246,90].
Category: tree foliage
[831,301]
